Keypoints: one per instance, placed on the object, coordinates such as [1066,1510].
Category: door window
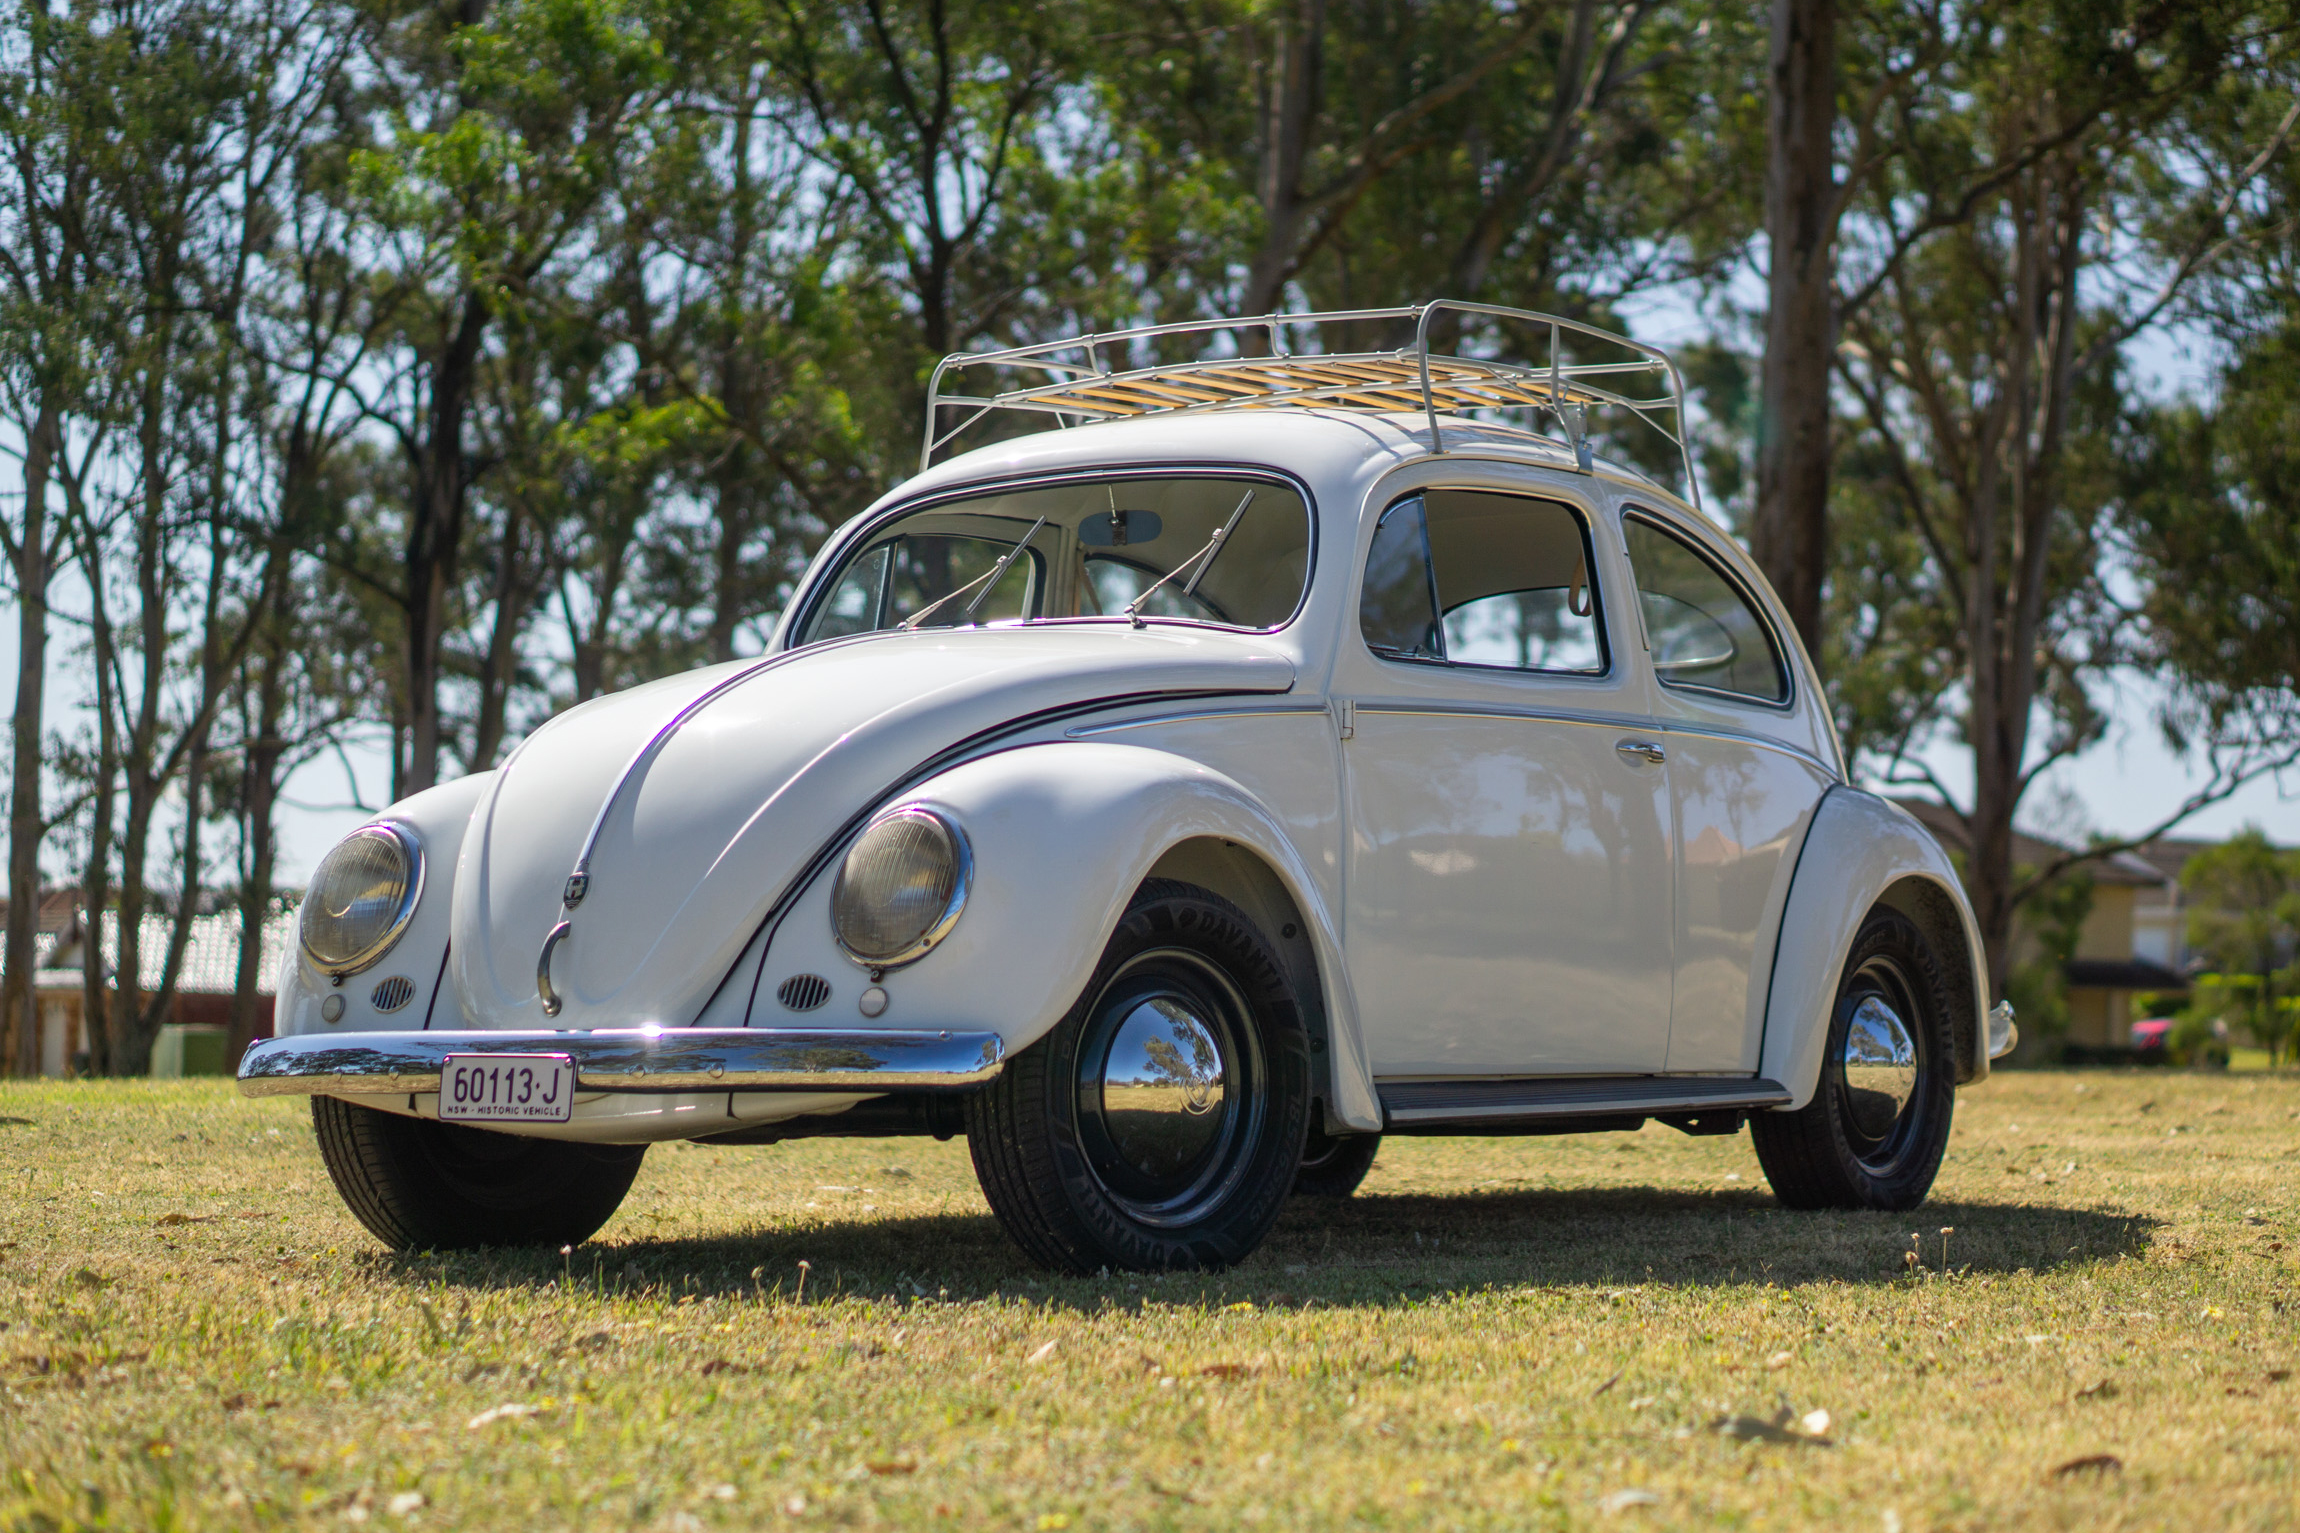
[1471,578]
[1703,632]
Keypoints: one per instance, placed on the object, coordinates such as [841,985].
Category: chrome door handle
[1642,750]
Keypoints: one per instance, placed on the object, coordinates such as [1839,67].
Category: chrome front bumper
[633,1059]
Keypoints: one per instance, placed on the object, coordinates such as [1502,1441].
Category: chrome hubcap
[1880,1064]
[1162,1088]
[1168,1085]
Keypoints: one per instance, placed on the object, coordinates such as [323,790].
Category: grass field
[1506,1333]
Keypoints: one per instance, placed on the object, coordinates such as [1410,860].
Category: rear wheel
[422,1185]
[1334,1164]
[1160,1124]
[1873,1135]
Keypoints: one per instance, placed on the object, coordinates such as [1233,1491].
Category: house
[2160,916]
[205,985]
[2120,950]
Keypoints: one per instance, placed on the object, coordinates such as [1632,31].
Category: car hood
[710,827]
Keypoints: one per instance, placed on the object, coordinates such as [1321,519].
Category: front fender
[1063,834]
[1862,852]
[438,816]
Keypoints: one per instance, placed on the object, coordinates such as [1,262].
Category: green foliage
[2244,918]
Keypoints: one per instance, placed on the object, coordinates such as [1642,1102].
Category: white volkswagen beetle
[1289,754]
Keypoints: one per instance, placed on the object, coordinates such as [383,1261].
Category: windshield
[1193,548]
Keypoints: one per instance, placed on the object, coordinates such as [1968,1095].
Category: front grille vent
[803,992]
[393,993]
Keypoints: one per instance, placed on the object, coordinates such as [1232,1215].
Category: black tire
[422,1185]
[1067,1164]
[1851,1147]
[1334,1164]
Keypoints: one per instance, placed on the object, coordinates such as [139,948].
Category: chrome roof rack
[1073,381]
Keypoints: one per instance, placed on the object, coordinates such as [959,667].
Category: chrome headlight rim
[410,847]
[961,884]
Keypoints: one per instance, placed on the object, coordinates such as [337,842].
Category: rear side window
[1704,633]
[1398,612]
[1473,578]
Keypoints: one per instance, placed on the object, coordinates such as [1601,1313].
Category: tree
[2244,916]
[1985,371]
[507,128]
[50,333]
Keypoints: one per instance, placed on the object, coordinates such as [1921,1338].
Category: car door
[1742,788]
[1507,895]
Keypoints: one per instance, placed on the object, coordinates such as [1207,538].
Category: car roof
[1322,448]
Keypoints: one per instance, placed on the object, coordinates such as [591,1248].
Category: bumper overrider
[633,1059]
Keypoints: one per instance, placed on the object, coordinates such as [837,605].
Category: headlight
[360,898]
[901,888]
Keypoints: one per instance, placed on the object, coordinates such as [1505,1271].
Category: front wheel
[422,1185]
[1873,1135]
[1160,1124]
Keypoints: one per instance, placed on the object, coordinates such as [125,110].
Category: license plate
[506,1088]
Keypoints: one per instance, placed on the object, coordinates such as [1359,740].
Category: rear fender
[1062,836]
[1864,852]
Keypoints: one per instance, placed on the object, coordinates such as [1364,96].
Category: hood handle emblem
[578,885]
[551,1002]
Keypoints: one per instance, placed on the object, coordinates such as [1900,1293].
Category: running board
[1570,1103]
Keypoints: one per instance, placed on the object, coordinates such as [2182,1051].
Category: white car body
[1497,918]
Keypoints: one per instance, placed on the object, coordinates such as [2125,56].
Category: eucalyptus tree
[503,129]
[1365,156]
[2011,270]
[199,116]
[50,335]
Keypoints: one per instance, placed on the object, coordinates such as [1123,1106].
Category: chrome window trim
[1633,512]
[806,607]
[411,847]
[961,885]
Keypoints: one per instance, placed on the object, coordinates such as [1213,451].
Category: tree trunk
[1288,114]
[434,543]
[1790,534]
[499,667]
[95,881]
[26,829]
[259,788]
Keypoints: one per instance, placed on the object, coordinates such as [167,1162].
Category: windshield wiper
[1203,558]
[988,583]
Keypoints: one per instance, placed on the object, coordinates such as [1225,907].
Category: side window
[1703,631]
[1481,579]
[1513,583]
[1398,612]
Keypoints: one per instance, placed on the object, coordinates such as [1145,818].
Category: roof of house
[2121,974]
[2170,854]
[1948,828]
[211,953]
[57,908]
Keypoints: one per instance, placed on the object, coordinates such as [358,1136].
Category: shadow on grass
[1370,1250]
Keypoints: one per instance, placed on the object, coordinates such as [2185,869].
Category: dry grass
[1519,1333]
